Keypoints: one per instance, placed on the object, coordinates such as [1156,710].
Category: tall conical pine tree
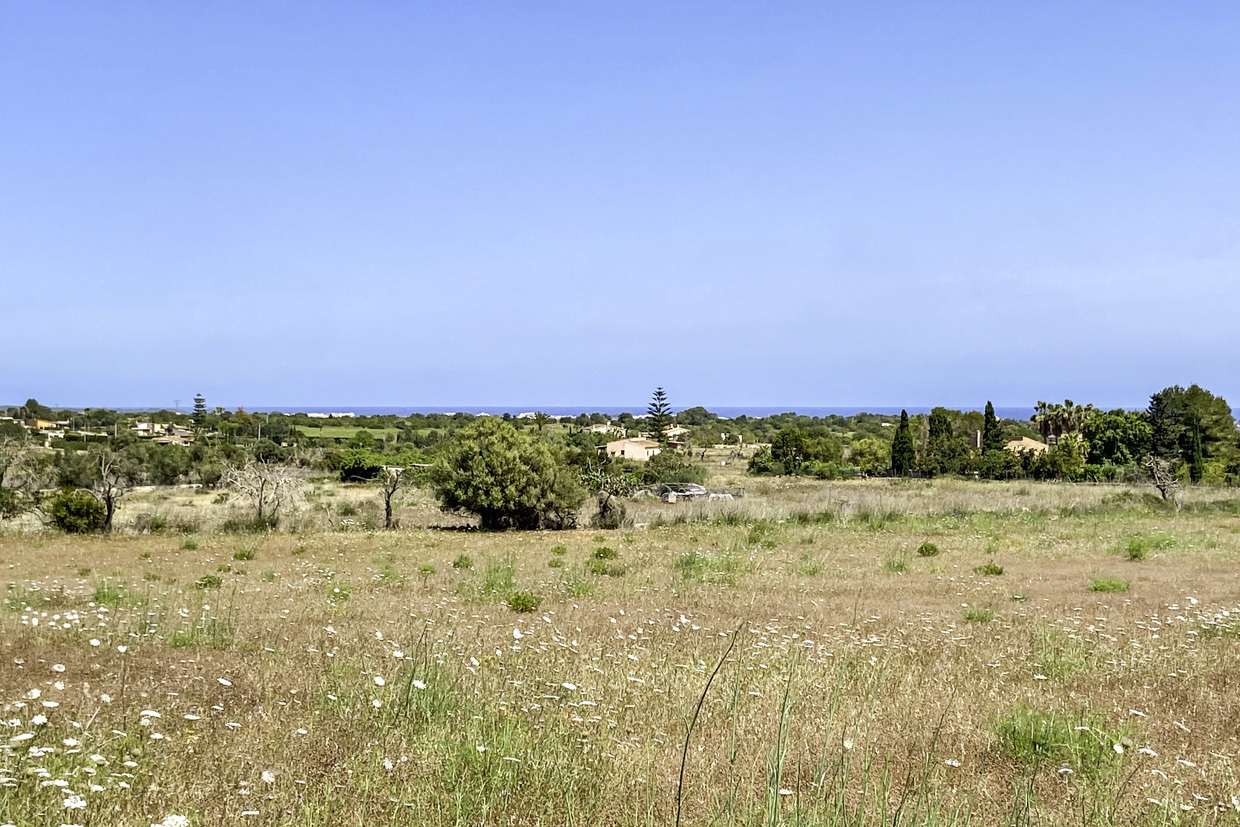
[659,414]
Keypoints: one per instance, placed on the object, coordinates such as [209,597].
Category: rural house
[637,448]
[1023,444]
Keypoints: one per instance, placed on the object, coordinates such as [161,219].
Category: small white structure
[604,428]
[636,448]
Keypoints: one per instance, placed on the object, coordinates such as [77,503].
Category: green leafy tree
[659,414]
[1180,417]
[1117,437]
[541,420]
[33,410]
[870,455]
[508,479]
[1065,460]
[790,448]
[992,431]
[672,467]
[359,465]
[763,464]
[903,452]
[945,451]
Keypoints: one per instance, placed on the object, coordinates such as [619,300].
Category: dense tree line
[99,452]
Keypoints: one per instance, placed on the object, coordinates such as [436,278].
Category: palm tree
[541,419]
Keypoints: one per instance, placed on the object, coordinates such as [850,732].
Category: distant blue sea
[730,412]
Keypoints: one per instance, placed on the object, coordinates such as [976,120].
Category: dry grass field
[861,653]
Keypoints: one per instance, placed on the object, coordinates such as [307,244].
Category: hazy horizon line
[589,408]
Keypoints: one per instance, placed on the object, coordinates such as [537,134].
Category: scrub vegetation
[437,676]
[447,631]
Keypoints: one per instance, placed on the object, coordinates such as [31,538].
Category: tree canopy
[507,478]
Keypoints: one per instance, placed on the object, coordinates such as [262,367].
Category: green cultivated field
[863,653]
[345,432]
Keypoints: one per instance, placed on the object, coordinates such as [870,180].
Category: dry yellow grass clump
[911,653]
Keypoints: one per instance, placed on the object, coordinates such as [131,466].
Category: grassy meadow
[859,653]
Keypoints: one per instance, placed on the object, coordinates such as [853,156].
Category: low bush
[1035,737]
[75,511]
[524,601]
[895,565]
[1138,547]
[927,549]
[1108,584]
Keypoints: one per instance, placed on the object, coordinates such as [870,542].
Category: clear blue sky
[570,203]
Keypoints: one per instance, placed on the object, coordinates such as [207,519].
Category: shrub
[977,614]
[11,503]
[108,593]
[1035,737]
[1139,546]
[576,585]
[556,563]
[1108,584]
[989,570]
[605,553]
[189,545]
[602,567]
[75,511]
[671,466]
[895,565]
[245,553]
[499,579]
[559,550]
[150,523]
[927,549]
[463,561]
[523,601]
[208,581]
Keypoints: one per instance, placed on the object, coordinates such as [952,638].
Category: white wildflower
[173,821]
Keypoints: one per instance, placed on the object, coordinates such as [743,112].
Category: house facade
[634,448]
